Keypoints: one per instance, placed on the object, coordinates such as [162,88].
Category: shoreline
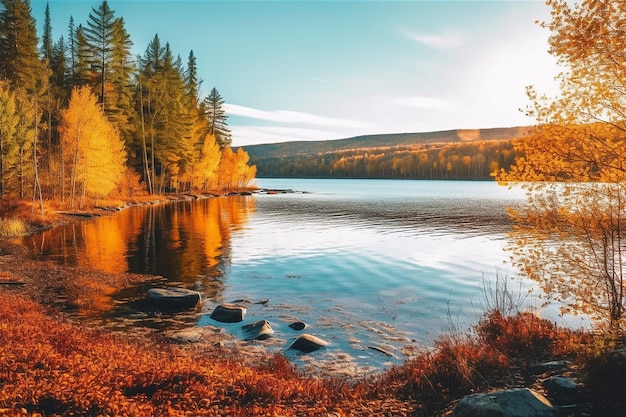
[62,290]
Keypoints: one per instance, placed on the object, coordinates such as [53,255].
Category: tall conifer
[46,39]
[218,127]
[19,52]
[99,35]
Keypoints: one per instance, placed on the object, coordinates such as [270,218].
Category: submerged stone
[228,313]
[259,330]
[173,298]
[298,325]
[308,343]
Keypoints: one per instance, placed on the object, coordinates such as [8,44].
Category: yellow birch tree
[92,148]
[202,172]
[571,235]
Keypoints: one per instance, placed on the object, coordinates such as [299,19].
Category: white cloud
[287,116]
[253,135]
[446,40]
[426,103]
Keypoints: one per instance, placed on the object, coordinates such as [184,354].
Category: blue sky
[310,70]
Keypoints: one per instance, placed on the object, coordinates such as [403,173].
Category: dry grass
[10,227]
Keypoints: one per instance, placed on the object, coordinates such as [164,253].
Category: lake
[369,265]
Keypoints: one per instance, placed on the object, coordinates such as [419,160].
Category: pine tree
[166,119]
[46,39]
[81,66]
[59,66]
[99,34]
[191,78]
[19,56]
[122,68]
[218,127]
[72,51]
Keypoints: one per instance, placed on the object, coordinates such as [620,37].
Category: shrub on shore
[10,227]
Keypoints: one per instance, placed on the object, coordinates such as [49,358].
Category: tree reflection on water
[186,242]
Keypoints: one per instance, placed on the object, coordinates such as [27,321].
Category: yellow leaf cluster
[92,149]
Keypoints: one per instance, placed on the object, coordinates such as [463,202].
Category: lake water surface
[366,263]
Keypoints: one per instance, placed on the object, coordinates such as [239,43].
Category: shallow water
[369,265]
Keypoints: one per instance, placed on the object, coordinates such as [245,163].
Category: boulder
[228,313]
[552,366]
[308,343]
[191,335]
[259,330]
[298,325]
[560,385]
[562,390]
[517,402]
[173,298]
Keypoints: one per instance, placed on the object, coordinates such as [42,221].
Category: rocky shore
[540,377]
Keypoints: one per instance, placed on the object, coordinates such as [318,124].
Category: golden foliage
[570,236]
[234,173]
[92,148]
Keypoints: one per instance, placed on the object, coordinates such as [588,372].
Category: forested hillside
[454,154]
[81,118]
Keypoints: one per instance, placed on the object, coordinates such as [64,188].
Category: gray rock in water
[228,313]
[518,402]
[308,343]
[259,330]
[173,298]
[298,325]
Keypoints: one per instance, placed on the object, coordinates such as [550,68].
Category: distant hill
[385,140]
[451,154]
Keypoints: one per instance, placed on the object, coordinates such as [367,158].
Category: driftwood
[13,283]
[78,214]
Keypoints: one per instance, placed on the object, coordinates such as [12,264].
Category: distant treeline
[474,160]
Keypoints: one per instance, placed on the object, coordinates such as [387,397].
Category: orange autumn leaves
[51,367]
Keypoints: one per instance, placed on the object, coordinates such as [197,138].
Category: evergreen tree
[58,65]
[166,119]
[99,34]
[46,39]
[72,51]
[122,68]
[19,56]
[81,67]
[218,127]
[191,78]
